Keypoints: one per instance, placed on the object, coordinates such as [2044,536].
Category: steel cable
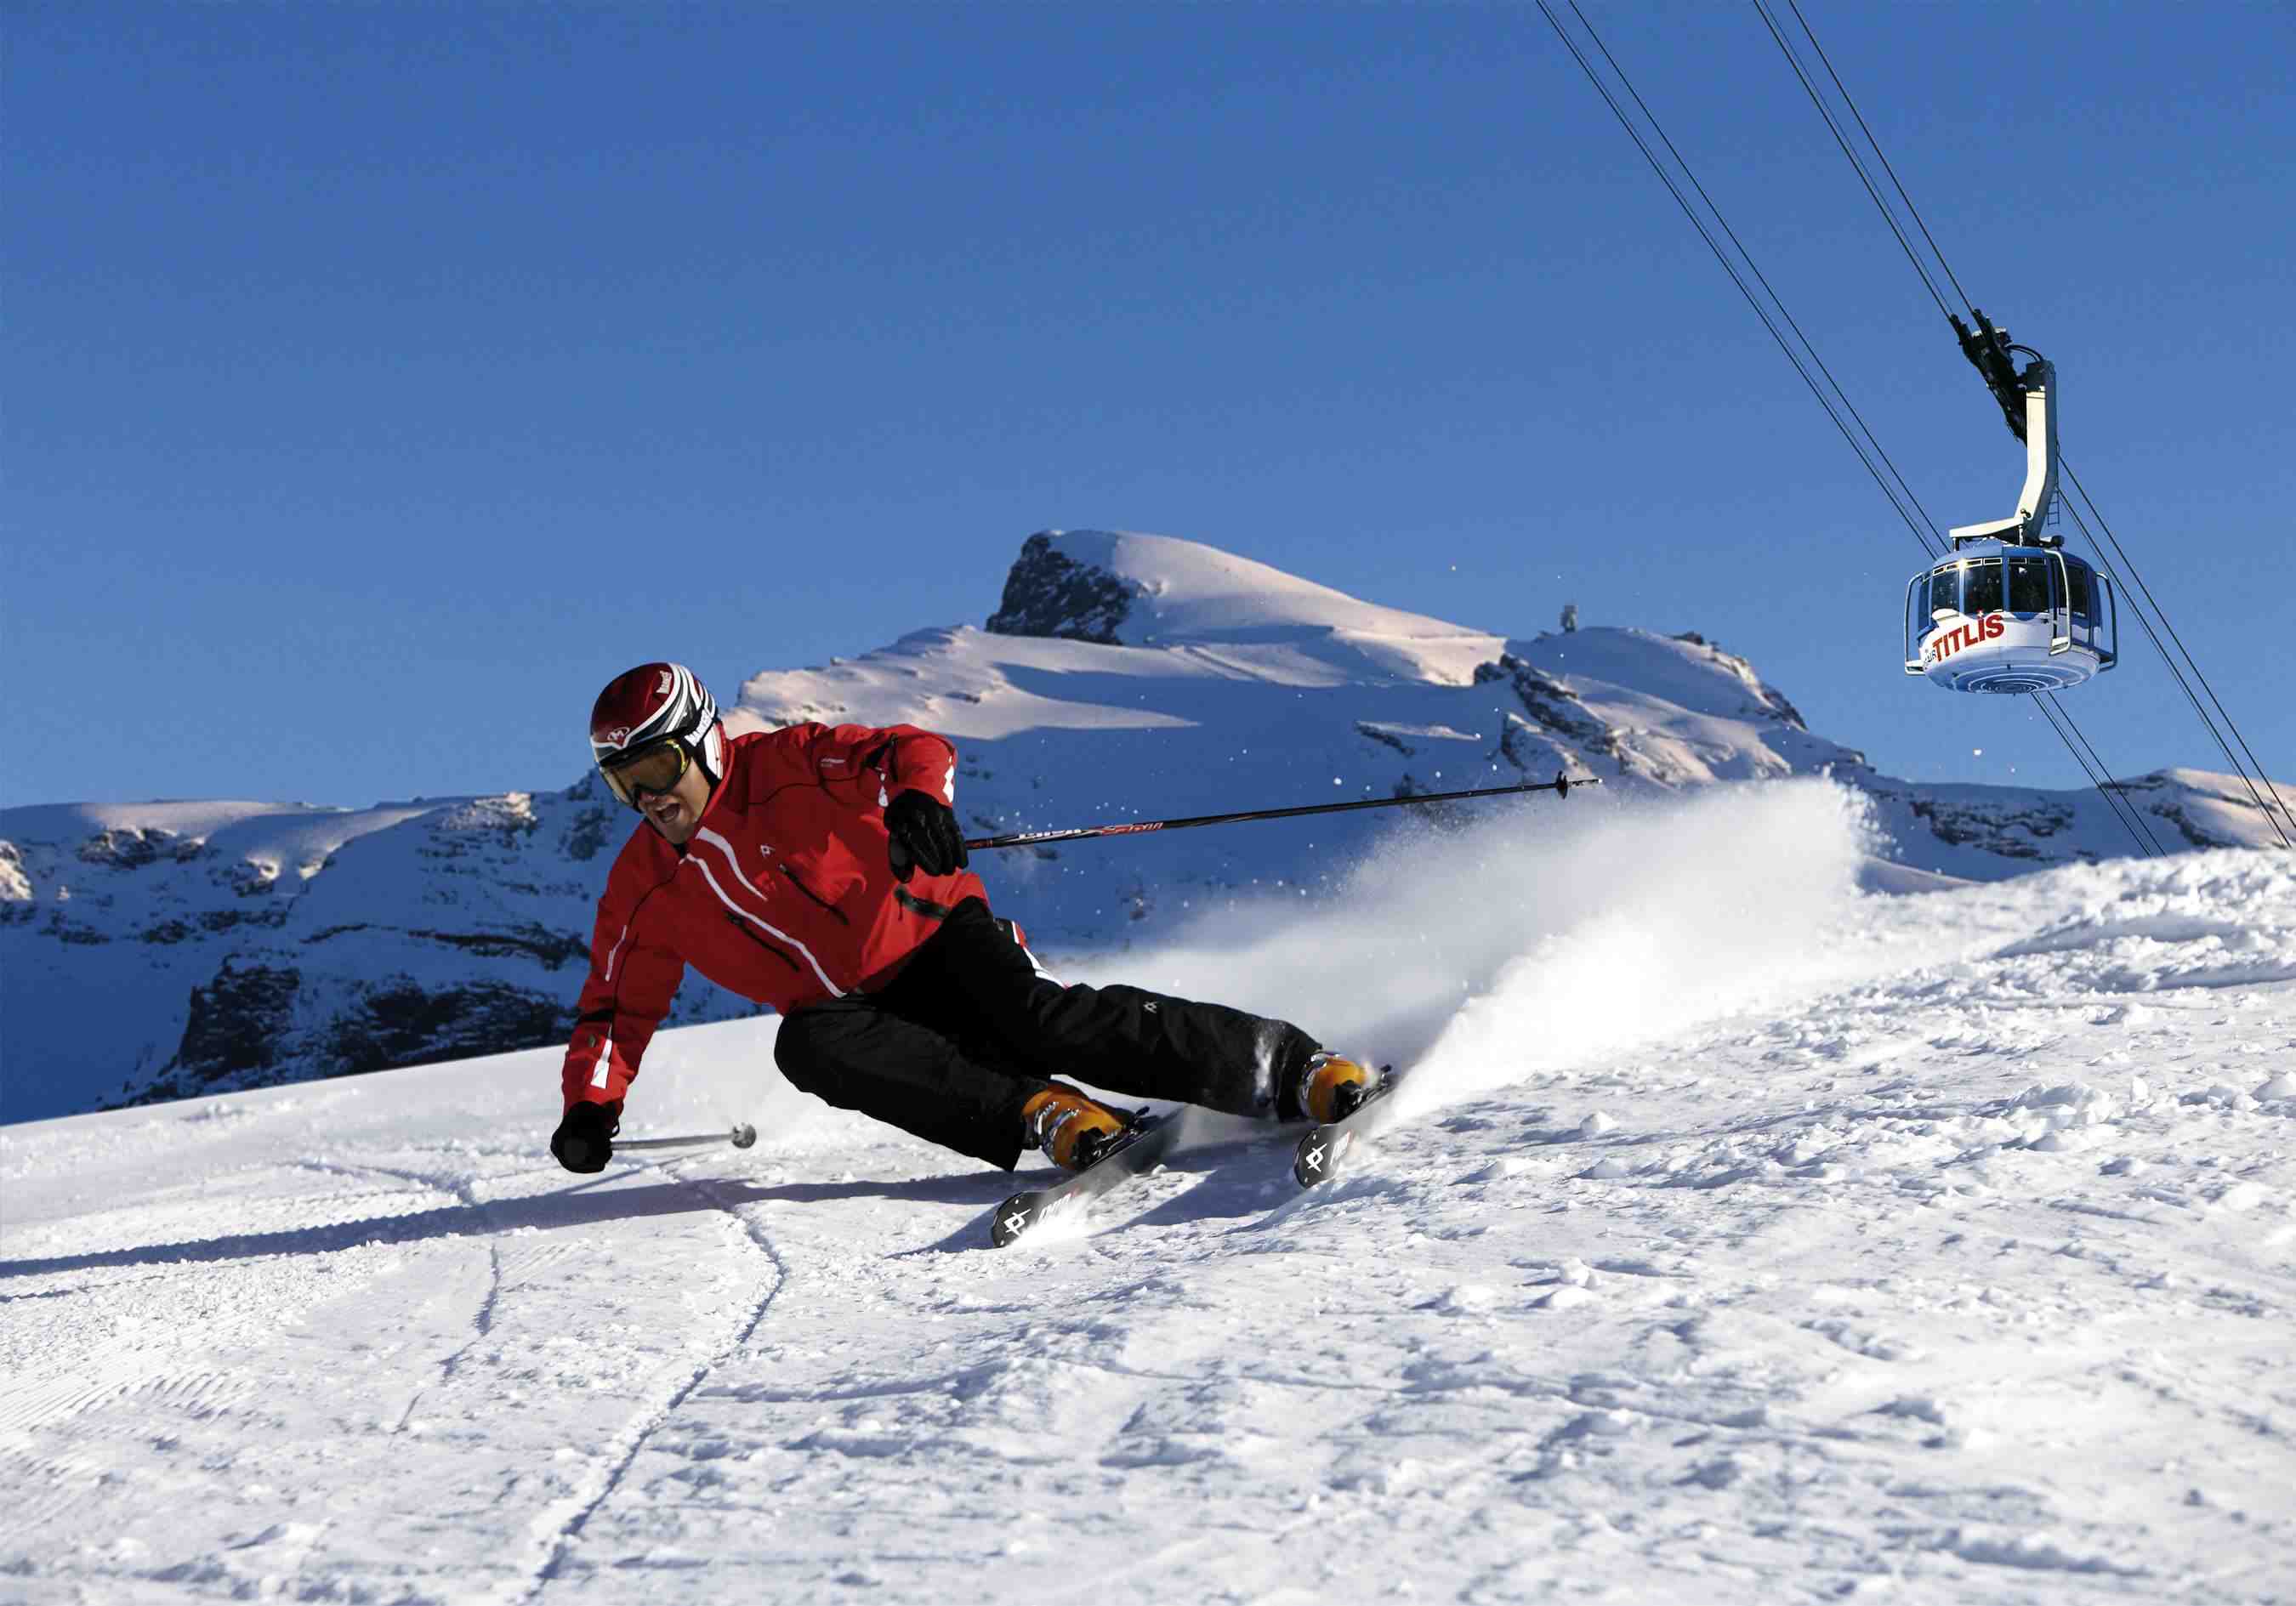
[2059,718]
[1826,112]
[2098,547]
[1912,210]
[2127,564]
[1722,256]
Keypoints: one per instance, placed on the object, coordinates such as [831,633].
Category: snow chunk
[1469,1298]
[2041,1552]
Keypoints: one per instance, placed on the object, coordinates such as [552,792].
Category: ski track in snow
[1739,1239]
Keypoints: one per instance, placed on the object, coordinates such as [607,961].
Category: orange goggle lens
[656,769]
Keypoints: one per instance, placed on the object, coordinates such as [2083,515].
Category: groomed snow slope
[1754,1240]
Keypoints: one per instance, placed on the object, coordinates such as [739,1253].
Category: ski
[1143,1146]
[1330,1147]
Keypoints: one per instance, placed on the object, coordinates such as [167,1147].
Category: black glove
[925,834]
[584,1139]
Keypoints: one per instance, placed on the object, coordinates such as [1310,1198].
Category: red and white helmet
[652,705]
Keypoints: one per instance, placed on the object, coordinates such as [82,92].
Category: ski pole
[741,1137]
[1560,786]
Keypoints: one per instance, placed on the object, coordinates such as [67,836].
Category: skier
[822,871]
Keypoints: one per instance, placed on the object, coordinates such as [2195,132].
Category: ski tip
[1014,1217]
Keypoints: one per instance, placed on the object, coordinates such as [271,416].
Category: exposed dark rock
[1775,701]
[1521,744]
[2191,828]
[2008,833]
[1553,707]
[551,948]
[239,1023]
[400,1023]
[1048,593]
[124,848]
[168,931]
[224,919]
[1442,816]
[2158,796]
[586,835]
[251,880]
[1768,701]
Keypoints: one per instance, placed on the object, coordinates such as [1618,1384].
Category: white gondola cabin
[2009,610]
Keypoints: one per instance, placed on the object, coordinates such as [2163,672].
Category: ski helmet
[649,706]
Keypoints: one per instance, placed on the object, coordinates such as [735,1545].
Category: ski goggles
[654,769]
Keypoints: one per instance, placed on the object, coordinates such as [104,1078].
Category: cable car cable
[1760,277]
[2128,565]
[1914,211]
[2060,719]
[1858,166]
[2182,685]
[2101,777]
[1722,256]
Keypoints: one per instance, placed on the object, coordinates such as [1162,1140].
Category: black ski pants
[971,1028]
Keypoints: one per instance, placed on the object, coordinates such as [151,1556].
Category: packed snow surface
[1742,1237]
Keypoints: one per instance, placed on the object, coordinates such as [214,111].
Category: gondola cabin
[1999,618]
[2008,609]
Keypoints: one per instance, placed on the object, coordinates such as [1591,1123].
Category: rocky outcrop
[1551,706]
[1764,700]
[15,886]
[127,848]
[206,948]
[241,1024]
[586,834]
[1050,594]
[2013,833]
[400,1022]
[256,1025]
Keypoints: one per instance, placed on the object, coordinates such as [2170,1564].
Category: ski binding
[1139,1151]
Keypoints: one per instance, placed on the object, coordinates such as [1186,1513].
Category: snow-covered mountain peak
[1122,589]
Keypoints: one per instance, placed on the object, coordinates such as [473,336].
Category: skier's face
[676,812]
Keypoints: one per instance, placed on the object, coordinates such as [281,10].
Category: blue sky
[381,379]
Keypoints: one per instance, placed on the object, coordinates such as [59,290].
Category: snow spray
[1485,953]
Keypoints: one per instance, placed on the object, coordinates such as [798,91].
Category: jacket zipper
[743,927]
[816,897]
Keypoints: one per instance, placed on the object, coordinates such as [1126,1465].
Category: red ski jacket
[783,894]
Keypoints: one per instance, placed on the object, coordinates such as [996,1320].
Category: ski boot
[1327,1087]
[1071,1129]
